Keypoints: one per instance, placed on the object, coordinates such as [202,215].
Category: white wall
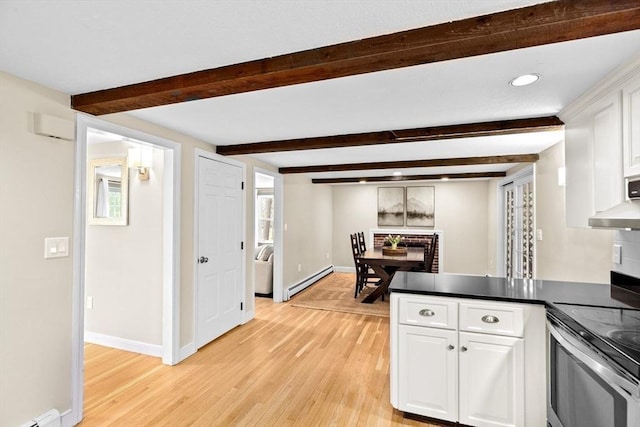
[123,270]
[36,201]
[308,216]
[573,254]
[461,213]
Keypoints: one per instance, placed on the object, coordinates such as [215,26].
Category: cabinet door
[427,372]
[608,188]
[631,127]
[491,380]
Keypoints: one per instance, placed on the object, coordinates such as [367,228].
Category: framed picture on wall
[420,206]
[390,206]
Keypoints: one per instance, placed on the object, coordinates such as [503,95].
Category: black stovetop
[615,331]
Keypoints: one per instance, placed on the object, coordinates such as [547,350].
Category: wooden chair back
[430,253]
[361,243]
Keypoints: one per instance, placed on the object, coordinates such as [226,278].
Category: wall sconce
[141,158]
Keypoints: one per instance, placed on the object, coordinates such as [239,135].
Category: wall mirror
[108,195]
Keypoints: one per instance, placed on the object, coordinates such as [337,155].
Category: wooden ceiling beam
[404,164]
[502,127]
[369,179]
[536,25]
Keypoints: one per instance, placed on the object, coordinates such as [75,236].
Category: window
[264,216]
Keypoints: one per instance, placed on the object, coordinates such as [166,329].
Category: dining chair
[430,253]
[363,275]
[362,244]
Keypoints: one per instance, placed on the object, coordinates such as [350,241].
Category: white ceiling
[76,47]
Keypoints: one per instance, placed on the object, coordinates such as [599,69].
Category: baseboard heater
[51,418]
[300,286]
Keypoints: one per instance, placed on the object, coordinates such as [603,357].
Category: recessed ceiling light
[525,79]
[397,173]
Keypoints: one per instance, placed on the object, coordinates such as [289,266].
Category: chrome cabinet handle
[203,259]
[463,348]
[426,312]
[490,319]
[450,347]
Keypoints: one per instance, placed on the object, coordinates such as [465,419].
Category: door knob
[203,259]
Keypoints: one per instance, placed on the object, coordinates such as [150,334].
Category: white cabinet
[464,360]
[602,145]
[491,380]
[593,157]
[631,128]
[432,392]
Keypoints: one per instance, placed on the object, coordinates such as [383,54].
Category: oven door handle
[592,360]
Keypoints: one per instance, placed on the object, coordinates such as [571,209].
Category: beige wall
[308,235]
[573,254]
[36,198]
[123,270]
[461,213]
[492,224]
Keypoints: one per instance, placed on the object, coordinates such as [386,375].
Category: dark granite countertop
[513,290]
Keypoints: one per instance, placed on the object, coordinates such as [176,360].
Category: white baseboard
[308,281]
[123,344]
[340,269]
[186,351]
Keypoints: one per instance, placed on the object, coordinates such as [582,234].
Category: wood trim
[403,164]
[468,130]
[369,179]
[536,25]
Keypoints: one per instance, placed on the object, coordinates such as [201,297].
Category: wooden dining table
[385,267]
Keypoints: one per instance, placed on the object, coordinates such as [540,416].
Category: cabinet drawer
[428,312]
[492,319]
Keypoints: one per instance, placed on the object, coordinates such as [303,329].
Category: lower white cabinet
[491,375]
[488,377]
[432,392]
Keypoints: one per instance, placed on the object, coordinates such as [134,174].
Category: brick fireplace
[409,238]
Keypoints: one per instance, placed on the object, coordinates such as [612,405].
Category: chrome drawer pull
[490,319]
[426,312]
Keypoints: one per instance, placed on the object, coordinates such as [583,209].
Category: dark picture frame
[391,203]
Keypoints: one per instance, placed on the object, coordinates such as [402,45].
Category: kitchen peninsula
[473,349]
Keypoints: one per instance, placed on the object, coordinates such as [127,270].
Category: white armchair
[263,270]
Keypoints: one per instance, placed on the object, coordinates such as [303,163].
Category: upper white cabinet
[631,128]
[602,144]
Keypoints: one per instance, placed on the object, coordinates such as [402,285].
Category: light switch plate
[56,247]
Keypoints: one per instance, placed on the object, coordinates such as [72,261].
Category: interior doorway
[268,232]
[113,207]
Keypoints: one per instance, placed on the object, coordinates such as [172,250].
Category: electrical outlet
[89,303]
[616,257]
[299,268]
[539,234]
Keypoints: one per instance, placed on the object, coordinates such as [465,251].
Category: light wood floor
[290,366]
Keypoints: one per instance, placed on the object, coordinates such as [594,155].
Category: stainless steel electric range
[594,364]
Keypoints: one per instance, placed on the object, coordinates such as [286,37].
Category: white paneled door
[219,257]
